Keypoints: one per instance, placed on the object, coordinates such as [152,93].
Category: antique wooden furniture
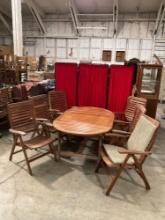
[19,93]
[22,122]
[122,130]
[83,121]
[57,101]
[4,100]
[138,148]
[148,85]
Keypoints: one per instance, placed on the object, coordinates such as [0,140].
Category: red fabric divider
[120,86]
[92,85]
[66,80]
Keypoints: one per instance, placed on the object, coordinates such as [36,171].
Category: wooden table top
[85,121]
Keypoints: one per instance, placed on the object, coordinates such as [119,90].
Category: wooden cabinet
[148,85]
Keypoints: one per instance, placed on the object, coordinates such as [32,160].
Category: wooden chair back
[21,116]
[143,136]
[131,105]
[41,107]
[57,100]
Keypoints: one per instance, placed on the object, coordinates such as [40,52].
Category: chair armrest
[13,131]
[53,110]
[42,119]
[49,124]
[120,132]
[131,152]
[122,122]
[115,134]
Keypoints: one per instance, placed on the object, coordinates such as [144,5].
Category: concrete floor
[70,190]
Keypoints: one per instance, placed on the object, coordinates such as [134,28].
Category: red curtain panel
[66,80]
[120,86]
[92,85]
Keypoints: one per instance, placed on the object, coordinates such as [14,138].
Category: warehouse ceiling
[86,6]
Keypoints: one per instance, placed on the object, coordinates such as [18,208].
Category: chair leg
[15,138]
[12,152]
[142,175]
[27,161]
[114,179]
[99,164]
[52,150]
[58,147]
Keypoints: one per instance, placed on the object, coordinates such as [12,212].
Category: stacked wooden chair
[23,124]
[138,148]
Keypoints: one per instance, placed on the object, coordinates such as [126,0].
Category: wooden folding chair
[57,102]
[41,111]
[22,122]
[138,149]
[128,114]
[120,133]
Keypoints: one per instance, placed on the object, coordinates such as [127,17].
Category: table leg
[100,143]
[58,146]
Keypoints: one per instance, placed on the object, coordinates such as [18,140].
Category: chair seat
[115,156]
[38,141]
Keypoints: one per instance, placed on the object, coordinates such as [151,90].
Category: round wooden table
[84,121]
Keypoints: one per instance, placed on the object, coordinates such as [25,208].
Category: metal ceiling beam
[39,9]
[3,10]
[74,16]
[115,16]
[5,22]
[36,14]
[160,17]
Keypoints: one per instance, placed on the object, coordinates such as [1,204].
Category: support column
[17,27]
